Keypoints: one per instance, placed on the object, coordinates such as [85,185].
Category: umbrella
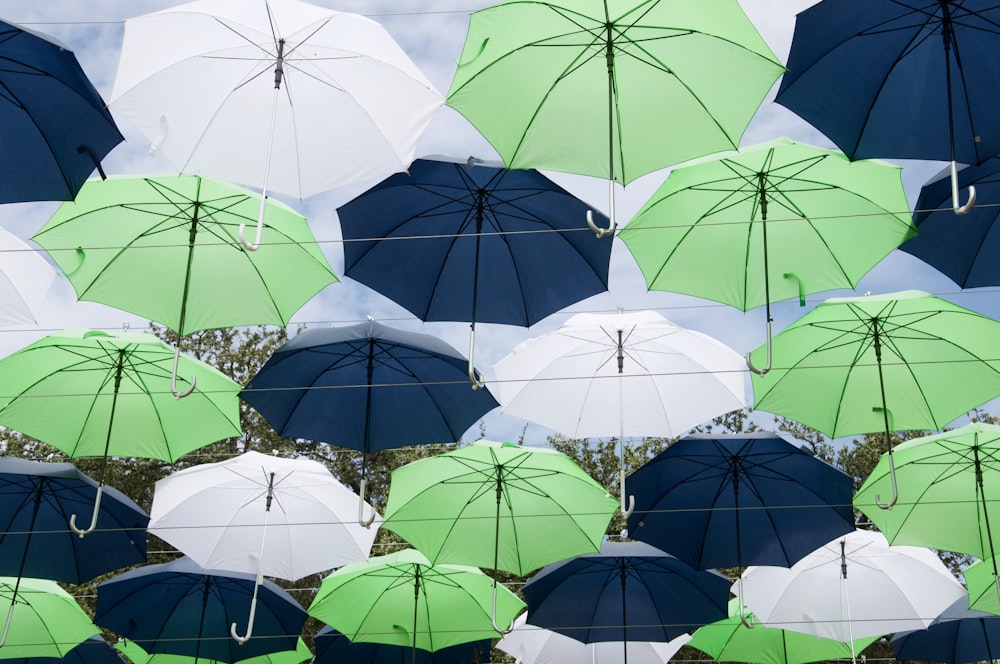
[56,126]
[278,94]
[183,609]
[729,640]
[853,587]
[903,360]
[910,80]
[485,244]
[532,76]
[664,378]
[94,650]
[780,220]
[45,620]
[369,387]
[259,514]
[957,636]
[165,248]
[960,251]
[333,647]
[401,599]
[984,586]
[25,280]
[528,644]
[498,505]
[112,393]
[628,592]
[137,655]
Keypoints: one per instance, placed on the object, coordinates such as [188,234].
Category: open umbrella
[781,219]
[25,280]
[332,647]
[183,609]
[401,599]
[984,586]
[94,650]
[910,80]
[368,387]
[484,244]
[113,396]
[664,379]
[957,636]
[905,360]
[166,248]
[581,85]
[277,94]
[56,126]
[260,514]
[137,655]
[43,620]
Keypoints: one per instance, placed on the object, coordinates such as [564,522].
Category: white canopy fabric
[25,280]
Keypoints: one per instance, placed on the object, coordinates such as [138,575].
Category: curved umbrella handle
[93,519]
[362,521]
[626,510]
[253,610]
[474,377]
[767,367]
[173,378]
[493,616]
[895,488]
[598,231]
[243,236]
[956,208]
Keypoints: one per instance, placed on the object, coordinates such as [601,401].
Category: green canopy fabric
[137,655]
[768,223]
[46,621]
[730,640]
[401,599]
[167,248]
[984,586]
[498,505]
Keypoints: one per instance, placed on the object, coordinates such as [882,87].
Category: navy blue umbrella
[36,501]
[960,635]
[965,252]
[629,591]
[495,245]
[912,80]
[94,650]
[332,647]
[736,500]
[178,608]
[56,127]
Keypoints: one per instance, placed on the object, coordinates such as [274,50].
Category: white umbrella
[634,374]
[853,587]
[277,94]
[529,644]
[25,279]
[256,513]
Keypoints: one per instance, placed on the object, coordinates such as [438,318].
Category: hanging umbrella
[532,76]
[183,609]
[113,396]
[665,379]
[984,586]
[528,644]
[730,640]
[484,244]
[137,655]
[909,80]
[45,620]
[165,248]
[960,251]
[780,220]
[332,647]
[957,636]
[904,360]
[56,126]
[401,599]
[277,94]
[853,587]
[260,514]
[368,387]
[94,650]
[498,505]
[25,280]
[628,592]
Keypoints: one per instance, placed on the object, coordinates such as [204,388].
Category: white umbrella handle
[955,206]
[767,367]
[267,162]
[173,377]
[745,618]
[260,575]
[476,380]
[93,519]
[493,616]
[362,521]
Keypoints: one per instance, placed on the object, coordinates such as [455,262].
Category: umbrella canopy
[498,505]
[182,609]
[730,640]
[401,599]
[36,501]
[528,644]
[332,647]
[957,636]
[743,499]
[137,655]
[627,592]
[984,585]
[94,650]
[853,587]
[45,620]
[25,280]
[56,126]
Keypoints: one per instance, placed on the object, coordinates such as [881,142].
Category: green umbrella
[730,640]
[778,220]
[401,599]
[112,394]
[905,360]
[137,655]
[681,80]
[984,586]
[46,620]
[167,248]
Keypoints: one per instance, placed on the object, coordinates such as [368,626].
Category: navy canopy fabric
[960,635]
[332,647]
